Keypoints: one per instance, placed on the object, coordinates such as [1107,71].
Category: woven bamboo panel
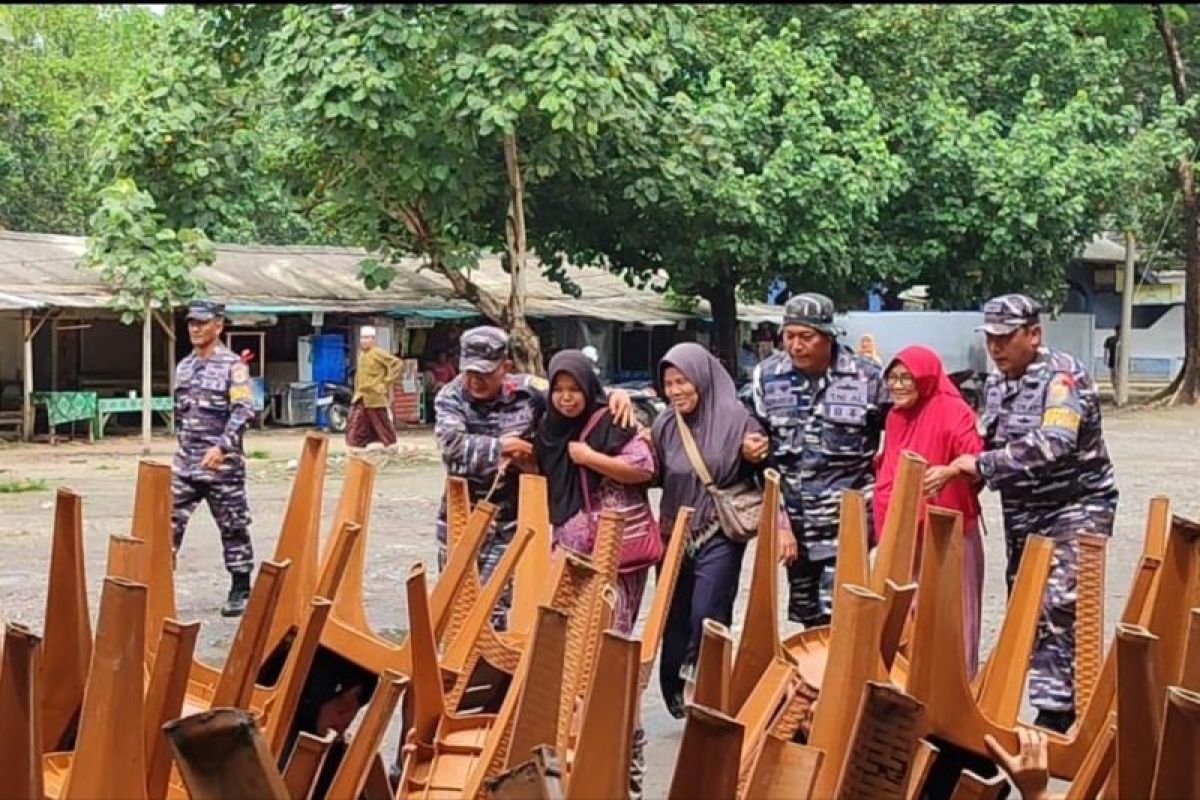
[882,745]
[1089,617]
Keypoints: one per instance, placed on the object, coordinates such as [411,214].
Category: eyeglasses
[900,380]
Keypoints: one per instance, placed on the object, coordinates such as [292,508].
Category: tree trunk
[723,301]
[1186,386]
[527,351]
[147,362]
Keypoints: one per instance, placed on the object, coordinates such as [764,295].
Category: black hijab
[558,431]
[717,424]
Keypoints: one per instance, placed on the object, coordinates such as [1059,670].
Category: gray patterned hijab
[718,424]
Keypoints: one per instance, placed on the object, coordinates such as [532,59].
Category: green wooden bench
[107,406]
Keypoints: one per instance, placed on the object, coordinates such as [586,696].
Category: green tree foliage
[59,65]
[145,262]
[970,148]
[765,159]
[1018,138]
[202,135]
[428,126]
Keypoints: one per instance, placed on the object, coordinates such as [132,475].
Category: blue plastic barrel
[329,365]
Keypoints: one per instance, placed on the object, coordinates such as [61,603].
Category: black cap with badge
[205,310]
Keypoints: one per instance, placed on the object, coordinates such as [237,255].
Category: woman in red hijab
[930,418]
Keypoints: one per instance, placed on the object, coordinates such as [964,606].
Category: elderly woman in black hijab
[592,464]
[700,389]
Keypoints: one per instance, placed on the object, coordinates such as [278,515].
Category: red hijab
[939,427]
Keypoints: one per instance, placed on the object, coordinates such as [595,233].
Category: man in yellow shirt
[377,371]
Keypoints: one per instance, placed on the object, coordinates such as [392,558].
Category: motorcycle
[336,397]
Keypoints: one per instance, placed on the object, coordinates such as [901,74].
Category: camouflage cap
[811,310]
[482,349]
[204,310]
[1004,314]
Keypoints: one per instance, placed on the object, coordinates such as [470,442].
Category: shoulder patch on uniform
[538,384]
[1060,388]
[239,372]
[1065,418]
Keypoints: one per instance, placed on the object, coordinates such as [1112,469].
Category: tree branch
[1174,58]
[414,221]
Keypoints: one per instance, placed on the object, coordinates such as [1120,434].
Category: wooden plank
[759,644]
[605,742]
[852,565]
[537,713]
[886,730]
[709,763]
[1002,679]
[972,787]
[221,755]
[784,769]
[152,524]
[1097,767]
[898,542]
[853,661]
[533,511]
[351,775]
[1139,699]
[1178,769]
[937,675]
[110,757]
[713,667]
[67,646]
[299,536]
[164,699]
[20,733]
[923,759]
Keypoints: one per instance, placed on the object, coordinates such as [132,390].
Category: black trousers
[706,589]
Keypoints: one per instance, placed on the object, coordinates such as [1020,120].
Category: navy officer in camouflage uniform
[213,404]
[823,407]
[486,419]
[1045,453]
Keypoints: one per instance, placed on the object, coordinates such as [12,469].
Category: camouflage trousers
[227,502]
[810,596]
[490,554]
[1052,666]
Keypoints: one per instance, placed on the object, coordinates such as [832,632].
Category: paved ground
[1155,453]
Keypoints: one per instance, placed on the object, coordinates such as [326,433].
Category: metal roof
[42,271]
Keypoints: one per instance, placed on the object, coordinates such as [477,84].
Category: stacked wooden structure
[547,707]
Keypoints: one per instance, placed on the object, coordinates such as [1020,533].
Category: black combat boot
[1057,721]
[239,595]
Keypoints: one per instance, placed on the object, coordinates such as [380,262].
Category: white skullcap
[366,330]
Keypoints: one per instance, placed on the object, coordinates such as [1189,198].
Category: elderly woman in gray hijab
[704,395]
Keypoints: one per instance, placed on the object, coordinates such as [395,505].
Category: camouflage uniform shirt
[1045,450]
[824,432]
[213,404]
[468,435]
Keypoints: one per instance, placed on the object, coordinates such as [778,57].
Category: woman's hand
[936,478]
[754,447]
[1029,769]
[580,453]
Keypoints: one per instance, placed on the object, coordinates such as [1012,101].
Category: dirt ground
[1155,452]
